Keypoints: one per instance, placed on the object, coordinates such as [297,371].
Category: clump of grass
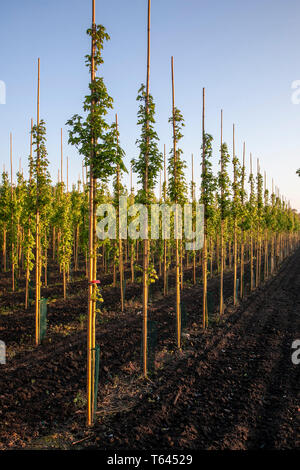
[5,311]
[80,400]
[82,319]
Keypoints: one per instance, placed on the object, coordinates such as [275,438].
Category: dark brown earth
[234,386]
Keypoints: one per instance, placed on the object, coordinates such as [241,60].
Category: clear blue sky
[246,54]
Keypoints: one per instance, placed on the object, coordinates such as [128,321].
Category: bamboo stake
[165,241]
[266,262]
[146,241]
[243,234]
[222,230]
[251,241]
[132,242]
[90,323]
[38,260]
[119,237]
[12,218]
[204,257]
[178,313]
[160,192]
[29,232]
[193,201]
[258,250]
[61,155]
[235,224]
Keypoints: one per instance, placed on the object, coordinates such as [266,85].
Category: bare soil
[233,386]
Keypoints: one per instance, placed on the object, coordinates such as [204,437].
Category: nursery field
[233,385]
[157,310]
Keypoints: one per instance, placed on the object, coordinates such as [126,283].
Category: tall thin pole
[266,260]
[148,52]
[38,267]
[251,236]
[203,190]
[222,228]
[121,270]
[146,242]
[29,231]
[193,192]
[178,313]
[30,169]
[61,155]
[258,244]
[193,202]
[160,193]
[165,241]
[242,234]
[165,171]
[90,329]
[235,222]
[11,162]
[12,217]
[38,95]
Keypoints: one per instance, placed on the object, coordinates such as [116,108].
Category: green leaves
[177,187]
[40,171]
[208,181]
[224,183]
[259,193]
[5,197]
[99,35]
[92,136]
[149,161]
